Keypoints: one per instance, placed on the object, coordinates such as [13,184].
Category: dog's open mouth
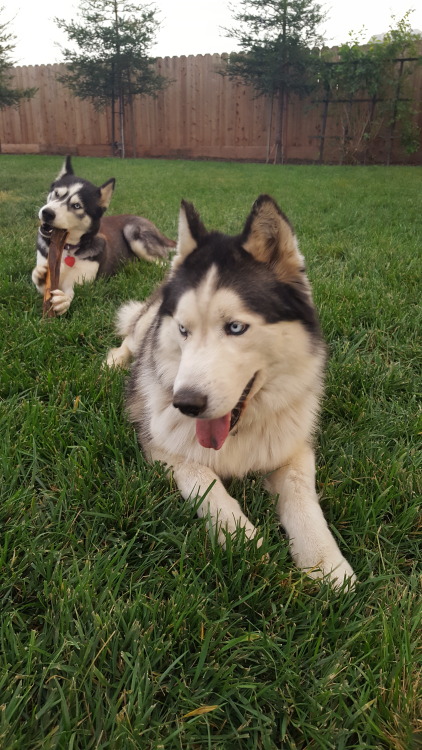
[212,433]
[46,230]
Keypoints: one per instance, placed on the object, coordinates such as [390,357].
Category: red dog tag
[70,260]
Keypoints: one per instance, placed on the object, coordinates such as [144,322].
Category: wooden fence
[201,114]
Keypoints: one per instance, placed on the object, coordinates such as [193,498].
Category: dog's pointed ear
[106,192]
[269,237]
[66,168]
[191,231]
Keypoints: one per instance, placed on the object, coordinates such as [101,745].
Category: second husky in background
[228,377]
[96,245]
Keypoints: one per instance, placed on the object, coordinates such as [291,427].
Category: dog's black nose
[47,215]
[190,402]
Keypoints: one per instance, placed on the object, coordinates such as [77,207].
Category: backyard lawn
[122,625]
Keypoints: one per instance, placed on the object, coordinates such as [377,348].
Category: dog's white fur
[274,435]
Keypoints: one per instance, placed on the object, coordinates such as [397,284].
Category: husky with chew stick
[228,376]
[96,245]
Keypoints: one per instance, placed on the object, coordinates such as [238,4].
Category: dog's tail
[128,316]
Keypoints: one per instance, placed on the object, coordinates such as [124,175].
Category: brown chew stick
[57,243]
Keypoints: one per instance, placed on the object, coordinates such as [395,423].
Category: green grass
[119,614]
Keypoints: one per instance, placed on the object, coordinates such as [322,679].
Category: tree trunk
[113,111]
[132,126]
[122,124]
[270,125]
[120,86]
[324,125]
[113,125]
[279,135]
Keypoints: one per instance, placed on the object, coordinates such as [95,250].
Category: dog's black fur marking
[254,282]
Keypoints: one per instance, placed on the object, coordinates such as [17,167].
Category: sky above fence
[189,27]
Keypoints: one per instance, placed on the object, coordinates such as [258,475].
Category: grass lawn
[122,625]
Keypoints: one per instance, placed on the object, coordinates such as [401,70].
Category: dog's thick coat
[228,376]
[96,245]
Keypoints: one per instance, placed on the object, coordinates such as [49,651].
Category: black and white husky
[228,376]
[96,245]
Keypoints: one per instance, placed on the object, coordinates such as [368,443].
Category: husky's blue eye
[183,330]
[235,328]
[76,206]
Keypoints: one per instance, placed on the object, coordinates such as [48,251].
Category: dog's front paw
[38,277]
[342,573]
[232,524]
[337,571]
[60,301]
[118,357]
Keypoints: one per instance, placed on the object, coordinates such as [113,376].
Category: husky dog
[96,245]
[228,376]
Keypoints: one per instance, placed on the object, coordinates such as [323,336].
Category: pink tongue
[211,433]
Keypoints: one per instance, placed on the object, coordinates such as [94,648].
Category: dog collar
[68,246]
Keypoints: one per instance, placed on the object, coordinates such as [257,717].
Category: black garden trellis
[329,99]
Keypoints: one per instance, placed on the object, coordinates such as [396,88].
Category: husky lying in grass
[96,245]
[228,377]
